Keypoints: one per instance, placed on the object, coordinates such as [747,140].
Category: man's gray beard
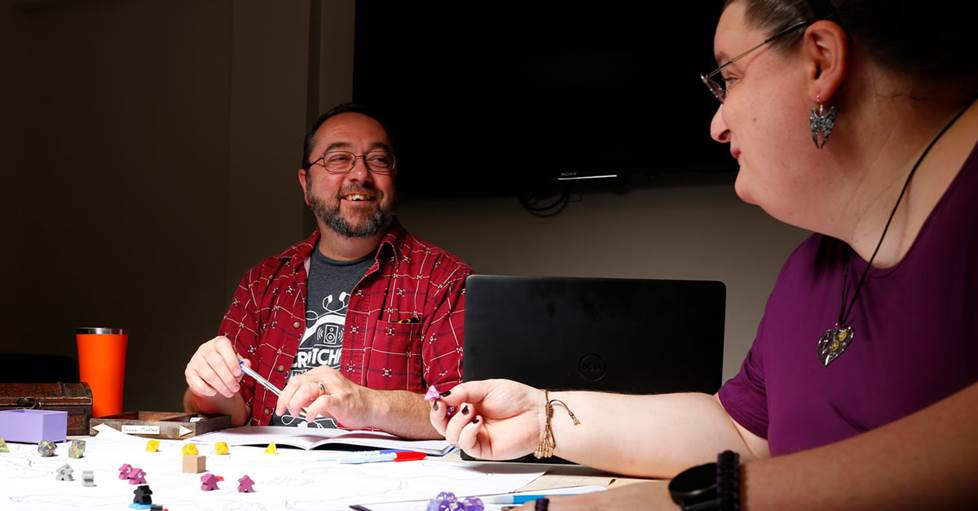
[332,217]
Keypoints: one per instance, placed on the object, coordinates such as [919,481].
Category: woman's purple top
[915,331]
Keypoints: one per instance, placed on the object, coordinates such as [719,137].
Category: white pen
[265,383]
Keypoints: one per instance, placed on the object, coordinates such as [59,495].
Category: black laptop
[633,336]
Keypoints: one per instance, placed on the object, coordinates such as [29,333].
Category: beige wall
[685,227]
[268,91]
[163,138]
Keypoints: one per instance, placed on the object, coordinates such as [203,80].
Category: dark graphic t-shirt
[330,285]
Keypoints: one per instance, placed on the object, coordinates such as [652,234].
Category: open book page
[311,438]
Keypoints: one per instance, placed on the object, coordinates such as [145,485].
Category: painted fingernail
[475,420]
[434,406]
[446,393]
[465,410]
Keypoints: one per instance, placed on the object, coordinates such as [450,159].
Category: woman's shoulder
[817,260]
[816,253]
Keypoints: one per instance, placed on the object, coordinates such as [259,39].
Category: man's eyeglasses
[340,162]
[714,80]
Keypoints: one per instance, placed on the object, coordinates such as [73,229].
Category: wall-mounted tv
[492,97]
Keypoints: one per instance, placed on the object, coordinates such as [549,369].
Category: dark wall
[497,98]
[11,147]
[153,155]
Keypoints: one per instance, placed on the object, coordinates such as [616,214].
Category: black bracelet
[728,481]
[709,487]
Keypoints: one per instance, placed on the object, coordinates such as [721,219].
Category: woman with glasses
[855,119]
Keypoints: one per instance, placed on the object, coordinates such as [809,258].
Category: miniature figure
[221,448]
[245,484]
[137,476]
[46,448]
[432,396]
[190,449]
[209,482]
[76,449]
[152,446]
[447,501]
[271,449]
[64,473]
[143,495]
[143,498]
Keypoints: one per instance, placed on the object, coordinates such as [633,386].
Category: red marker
[409,456]
[389,456]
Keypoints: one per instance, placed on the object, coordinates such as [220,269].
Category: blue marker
[357,454]
[514,499]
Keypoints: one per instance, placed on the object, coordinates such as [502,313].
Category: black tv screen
[491,97]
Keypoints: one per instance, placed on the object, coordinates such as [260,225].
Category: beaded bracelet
[728,480]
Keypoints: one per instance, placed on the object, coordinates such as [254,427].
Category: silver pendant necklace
[836,339]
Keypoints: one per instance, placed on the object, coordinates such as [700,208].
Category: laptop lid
[637,336]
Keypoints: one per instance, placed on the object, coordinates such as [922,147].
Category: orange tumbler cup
[102,364]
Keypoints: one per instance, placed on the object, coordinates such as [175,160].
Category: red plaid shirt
[409,279]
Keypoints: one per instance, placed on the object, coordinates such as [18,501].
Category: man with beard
[355,321]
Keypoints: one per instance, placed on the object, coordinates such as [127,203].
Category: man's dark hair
[337,110]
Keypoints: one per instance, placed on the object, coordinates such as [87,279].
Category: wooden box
[74,398]
[170,425]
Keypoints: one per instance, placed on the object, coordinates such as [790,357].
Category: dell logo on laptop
[592,367]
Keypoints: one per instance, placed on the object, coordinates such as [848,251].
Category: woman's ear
[826,48]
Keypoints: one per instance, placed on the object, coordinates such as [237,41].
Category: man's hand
[213,381]
[214,369]
[325,392]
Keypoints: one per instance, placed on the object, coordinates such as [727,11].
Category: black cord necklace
[836,339]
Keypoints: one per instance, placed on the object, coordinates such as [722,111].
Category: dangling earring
[822,122]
